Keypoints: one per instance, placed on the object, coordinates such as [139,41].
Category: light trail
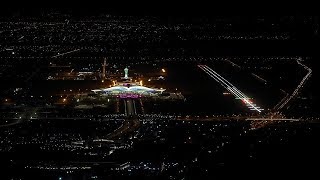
[230,87]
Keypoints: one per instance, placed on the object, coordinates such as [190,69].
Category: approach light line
[233,90]
[243,95]
[230,87]
[214,77]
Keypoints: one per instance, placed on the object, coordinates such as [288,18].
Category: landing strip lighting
[230,87]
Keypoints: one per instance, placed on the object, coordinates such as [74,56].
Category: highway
[130,108]
[286,99]
[130,124]
[231,88]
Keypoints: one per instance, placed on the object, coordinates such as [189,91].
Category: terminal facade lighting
[128,88]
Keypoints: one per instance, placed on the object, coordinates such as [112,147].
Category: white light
[237,93]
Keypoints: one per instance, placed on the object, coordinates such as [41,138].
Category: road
[288,98]
[130,107]
[130,124]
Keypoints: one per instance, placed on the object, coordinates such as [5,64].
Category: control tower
[126,70]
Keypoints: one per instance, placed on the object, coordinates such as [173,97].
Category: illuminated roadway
[130,124]
[285,100]
[230,87]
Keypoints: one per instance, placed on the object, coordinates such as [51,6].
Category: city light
[167,117]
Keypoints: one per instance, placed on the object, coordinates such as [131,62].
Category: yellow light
[163,70]
[64,100]
[102,80]
[141,82]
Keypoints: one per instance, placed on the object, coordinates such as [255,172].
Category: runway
[231,88]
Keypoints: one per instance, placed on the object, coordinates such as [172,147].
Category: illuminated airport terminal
[125,88]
